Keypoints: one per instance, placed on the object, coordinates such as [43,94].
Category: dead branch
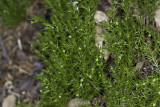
[4,52]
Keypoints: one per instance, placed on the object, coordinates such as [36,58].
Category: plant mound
[75,68]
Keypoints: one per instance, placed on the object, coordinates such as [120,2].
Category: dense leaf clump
[13,11]
[68,49]
[75,68]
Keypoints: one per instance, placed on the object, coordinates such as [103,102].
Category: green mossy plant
[22,104]
[68,49]
[13,11]
[75,68]
[126,41]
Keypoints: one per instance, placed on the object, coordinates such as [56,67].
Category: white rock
[100,17]
[157,18]
[9,101]
[106,54]
[76,102]
[98,38]
[139,66]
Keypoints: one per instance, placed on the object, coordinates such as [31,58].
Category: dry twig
[4,52]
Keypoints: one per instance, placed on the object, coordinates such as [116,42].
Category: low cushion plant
[75,67]
[13,11]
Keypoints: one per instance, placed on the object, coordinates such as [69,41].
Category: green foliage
[67,47]
[126,40]
[75,67]
[13,11]
[22,104]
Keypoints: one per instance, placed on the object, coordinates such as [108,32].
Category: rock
[98,38]
[21,55]
[104,5]
[106,54]
[9,101]
[77,102]
[157,18]
[100,17]
[138,66]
